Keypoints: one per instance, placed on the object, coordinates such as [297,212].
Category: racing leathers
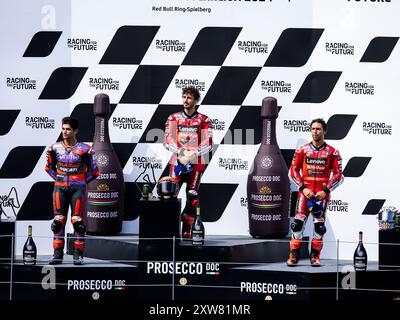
[71,168]
[184,133]
[318,169]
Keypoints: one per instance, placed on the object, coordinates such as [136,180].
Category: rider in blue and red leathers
[71,165]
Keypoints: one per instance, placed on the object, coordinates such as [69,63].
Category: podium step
[123,248]
[241,249]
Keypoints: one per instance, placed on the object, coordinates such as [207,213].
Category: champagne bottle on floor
[198,229]
[268,187]
[360,255]
[29,251]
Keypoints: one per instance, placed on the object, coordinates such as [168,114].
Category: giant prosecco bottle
[268,185]
[105,205]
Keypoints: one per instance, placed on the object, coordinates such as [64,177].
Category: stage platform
[53,282]
[232,249]
[333,280]
[222,269]
[107,280]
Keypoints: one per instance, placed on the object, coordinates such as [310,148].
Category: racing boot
[316,247]
[294,254]
[78,257]
[58,256]
[187,222]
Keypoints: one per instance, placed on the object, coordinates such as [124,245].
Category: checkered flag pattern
[312,67]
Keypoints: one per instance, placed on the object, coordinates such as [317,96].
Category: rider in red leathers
[188,135]
[72,166]
[321,172]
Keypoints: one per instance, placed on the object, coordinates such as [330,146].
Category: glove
[179,168]
[314,205]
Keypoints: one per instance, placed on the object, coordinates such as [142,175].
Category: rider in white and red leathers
[317,169]
[188,134]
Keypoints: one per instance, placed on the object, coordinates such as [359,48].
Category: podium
[389,249]
[159,218]
[159,222]
[7,229]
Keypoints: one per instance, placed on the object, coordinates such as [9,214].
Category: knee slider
[318,214]
[58,223]
[78,225]
[297,225]
[56,226]
[320,228]
[187,218]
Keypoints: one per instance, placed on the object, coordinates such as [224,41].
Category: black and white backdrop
[336,59]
